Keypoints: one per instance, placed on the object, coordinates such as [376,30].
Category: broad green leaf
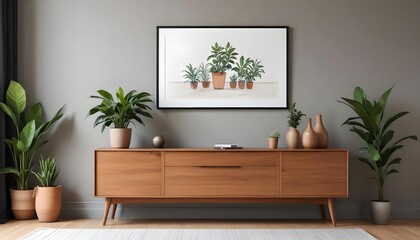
[9,113]
[392,119]
[26,136]
[105,94]
[16,98]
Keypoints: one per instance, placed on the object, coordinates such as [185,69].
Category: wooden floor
[401,229]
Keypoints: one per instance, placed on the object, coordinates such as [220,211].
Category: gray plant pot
[381,212]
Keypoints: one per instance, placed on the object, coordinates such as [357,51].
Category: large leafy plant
[29,133]
[369,124]
[222,57]
[48,172]
[125,109]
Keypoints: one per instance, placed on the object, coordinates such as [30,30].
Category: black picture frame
[178,46]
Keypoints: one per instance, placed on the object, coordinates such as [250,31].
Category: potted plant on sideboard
[127,108]
[293,135]
[369,124]
[221,60]
[47,195]
[29,133]
[273,139]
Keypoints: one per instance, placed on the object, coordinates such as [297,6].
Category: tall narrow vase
[309,136]
[321,131]
[292,138]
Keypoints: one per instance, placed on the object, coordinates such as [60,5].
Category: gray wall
[70,49]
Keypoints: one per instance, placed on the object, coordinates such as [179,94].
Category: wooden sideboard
[231,175]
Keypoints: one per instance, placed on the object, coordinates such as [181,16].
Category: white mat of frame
[198,234]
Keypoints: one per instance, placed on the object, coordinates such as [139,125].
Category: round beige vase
[273,142]
[219,79]
[292,138]
[48,203]
[120,137]
[321,131]
[309,137]
[23,204]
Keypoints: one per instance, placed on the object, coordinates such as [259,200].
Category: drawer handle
[219,166]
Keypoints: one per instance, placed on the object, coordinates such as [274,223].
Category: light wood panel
[127,174]
[314,174]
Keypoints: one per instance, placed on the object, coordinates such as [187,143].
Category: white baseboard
[343,210]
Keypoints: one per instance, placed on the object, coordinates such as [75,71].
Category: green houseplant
[379,144]
[47,195]
[253,71]
[120,112]
[30,132]
[204,74]
[221,60]
[273,139]
[241,68]
[293,134]
[192,75]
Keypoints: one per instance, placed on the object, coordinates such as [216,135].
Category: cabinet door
[313,173]
[121,173]
[223,174]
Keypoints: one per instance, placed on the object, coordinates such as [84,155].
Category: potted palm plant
[254,70]
[293,135]
[30,132]
[204,74]
[192,76]
[125,109]
[369,124]
[222,58]
[240,68]
[47,195]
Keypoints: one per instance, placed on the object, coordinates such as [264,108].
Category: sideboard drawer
[127,173]
[222,158]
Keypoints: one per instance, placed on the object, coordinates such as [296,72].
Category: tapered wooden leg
[114,209]
[106,210]
[322,208]
[331,208]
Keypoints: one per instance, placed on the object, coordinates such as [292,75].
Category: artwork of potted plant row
[221,60]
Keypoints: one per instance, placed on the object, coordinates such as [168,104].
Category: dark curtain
[8,71]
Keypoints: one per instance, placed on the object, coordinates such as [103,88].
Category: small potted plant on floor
[191,75]
[240,68]
[369,124]
[204,74]
[30,132]
[221,60]
[254,70]
[273,139]
[119,113]
[233,81]
[47,195]
[293,135]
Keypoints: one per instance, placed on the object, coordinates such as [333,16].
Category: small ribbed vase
[309,137]
[321,131]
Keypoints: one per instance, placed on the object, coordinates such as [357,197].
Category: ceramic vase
[158,141]
[309,137]
[48,203]
[292,138]
[23,204]
[321,131]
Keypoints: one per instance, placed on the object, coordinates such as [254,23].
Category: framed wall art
[222,67]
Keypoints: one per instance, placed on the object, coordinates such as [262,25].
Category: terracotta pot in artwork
[194,85]
[205,84]
[292,138]
[219,79]
[309,137]
[249,85]
[321,131]
[232,84]
[120,137]
[23,204]
[241,84]
[48,203]
[273,142]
